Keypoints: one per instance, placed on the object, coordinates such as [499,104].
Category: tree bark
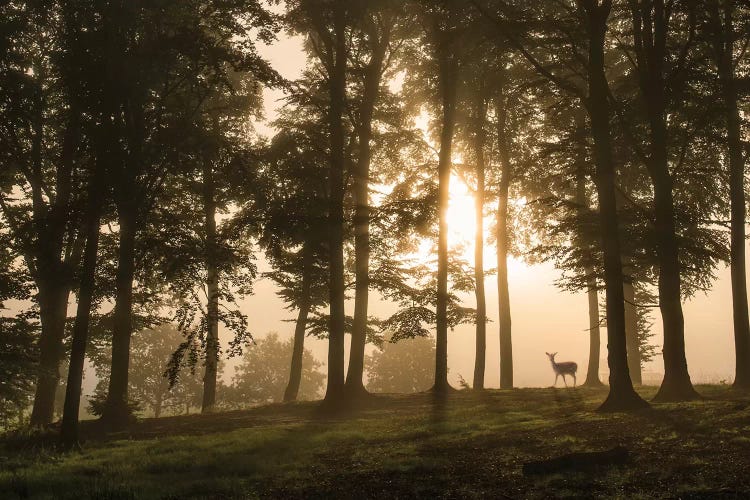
[335,386]
[503,291]
[53,306]
[448,86]
[724,38]
[621,395]
[650,28]
[479,198]
[592,371]
[295,371]
[116,413]
[373,76]
[73,389]
[53,274]
[212,290]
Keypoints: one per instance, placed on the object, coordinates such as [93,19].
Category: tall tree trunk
[724,38]
[481,318]
[212,286]
[116,413]
[448,86]
[503,291]
[295,371]
[621,396]
[73,389]
[592,371]
[650,28]
[631,332]
[374,71]
[335,386]
[53,275]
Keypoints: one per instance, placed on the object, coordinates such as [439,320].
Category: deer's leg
[565,381]
[557,375]
[574,380]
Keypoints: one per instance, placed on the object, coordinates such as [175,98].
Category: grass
[470,446]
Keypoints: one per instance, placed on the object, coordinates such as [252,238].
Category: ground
[473,445]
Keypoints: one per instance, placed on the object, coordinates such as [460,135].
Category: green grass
[471,446]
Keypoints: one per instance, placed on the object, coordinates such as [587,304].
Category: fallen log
[577,461]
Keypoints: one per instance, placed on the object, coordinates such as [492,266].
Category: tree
[405,366]
[41,146]
[155,92]
[723,37]
[292,197]
[261,377]
[326,27]
[439,46]
[372,52]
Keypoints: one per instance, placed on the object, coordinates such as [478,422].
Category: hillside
[471,446]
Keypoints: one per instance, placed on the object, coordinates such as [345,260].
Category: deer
[564,368]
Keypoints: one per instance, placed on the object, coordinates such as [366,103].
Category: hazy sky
[544,318]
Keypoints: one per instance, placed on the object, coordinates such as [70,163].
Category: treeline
[607,137]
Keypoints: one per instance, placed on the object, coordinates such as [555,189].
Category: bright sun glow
[461,229]
[461,217]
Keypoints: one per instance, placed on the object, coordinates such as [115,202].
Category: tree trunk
[295,372]
[116,413]
[481,318]
[53,275]
[592,372]
[621,396]
[503,291]
[631,332]
[71,409]
[212,286]
[650,28]
[724,38]
[53,310]
[335,386]
[448,86]
[355,373]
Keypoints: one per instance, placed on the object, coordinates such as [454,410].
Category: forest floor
[472,445]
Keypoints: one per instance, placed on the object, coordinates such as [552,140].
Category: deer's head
[551,356]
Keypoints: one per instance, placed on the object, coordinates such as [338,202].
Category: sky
[544,317]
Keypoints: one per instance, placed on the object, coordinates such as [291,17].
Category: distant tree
[149,386]
[405,366]
[263,373]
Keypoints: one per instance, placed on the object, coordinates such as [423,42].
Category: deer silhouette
[564,368]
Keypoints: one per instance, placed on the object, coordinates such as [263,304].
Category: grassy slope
[403,446]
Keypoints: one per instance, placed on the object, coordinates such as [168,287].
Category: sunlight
[461,218]
[461,228]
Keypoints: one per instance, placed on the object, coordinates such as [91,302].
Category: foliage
[263,374]
[149,387]
[405,366]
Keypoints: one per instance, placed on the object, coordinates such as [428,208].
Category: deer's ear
[546,353]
